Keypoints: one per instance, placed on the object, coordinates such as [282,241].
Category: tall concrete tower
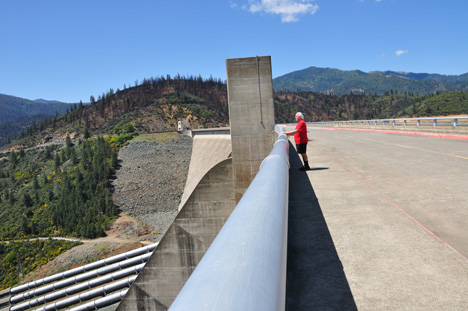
[251,116]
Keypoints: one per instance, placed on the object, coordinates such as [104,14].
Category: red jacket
[301,136]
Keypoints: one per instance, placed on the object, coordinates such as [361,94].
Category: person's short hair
[301,115]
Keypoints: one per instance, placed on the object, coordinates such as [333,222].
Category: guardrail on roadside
[453,122]
[245,266]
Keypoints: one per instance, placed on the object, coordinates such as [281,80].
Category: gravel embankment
[150,182]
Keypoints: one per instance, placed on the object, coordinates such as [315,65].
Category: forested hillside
[17,114]
[17,259]
[53,191]
[14,128]
[335,81]
[14,107]
[58,192]
[155,105]
[323,107]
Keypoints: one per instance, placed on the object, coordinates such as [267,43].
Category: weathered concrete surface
[208,150]
[251,116]
[185,242]
[379,223]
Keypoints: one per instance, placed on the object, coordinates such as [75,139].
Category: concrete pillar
[251,116]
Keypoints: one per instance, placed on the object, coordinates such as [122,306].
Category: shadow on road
[315,276]
[318,168]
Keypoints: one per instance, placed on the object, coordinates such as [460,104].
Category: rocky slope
[150,182]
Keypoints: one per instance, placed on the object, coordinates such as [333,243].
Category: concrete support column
[251,116]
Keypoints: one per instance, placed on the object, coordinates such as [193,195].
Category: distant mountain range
[18,113]
[14,107]
[335,81]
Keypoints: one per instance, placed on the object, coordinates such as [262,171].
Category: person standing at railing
[301,139]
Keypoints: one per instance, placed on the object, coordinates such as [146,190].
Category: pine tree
[35,183]
[68,142]
[57,162]
[13,159]
[27,201]
[73,156]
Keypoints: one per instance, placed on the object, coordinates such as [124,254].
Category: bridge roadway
[379,223]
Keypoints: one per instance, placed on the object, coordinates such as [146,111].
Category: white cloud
[401,52]
[289,10]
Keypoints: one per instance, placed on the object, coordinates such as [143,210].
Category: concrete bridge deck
[379,223]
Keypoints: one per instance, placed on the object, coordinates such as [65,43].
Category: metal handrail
[455,121]
[245,266]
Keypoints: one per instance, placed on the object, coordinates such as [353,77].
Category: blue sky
[70,50]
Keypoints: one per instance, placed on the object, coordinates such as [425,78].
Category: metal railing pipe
[454,121]
[245,266]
